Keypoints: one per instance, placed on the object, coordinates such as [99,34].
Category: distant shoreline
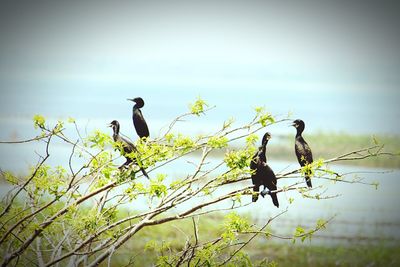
[328,145]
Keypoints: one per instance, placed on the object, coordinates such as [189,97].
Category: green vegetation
[170,238]
[75,214]
[324,256]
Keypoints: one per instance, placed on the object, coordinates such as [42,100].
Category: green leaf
[185,143]
[99,140]
[299,232]
[251,139]
[11,178]
[39,121]
[169,137]
[238,159]
[259,110]
[197,107]
[218,142]
[150,245]
[228,123]
[71,120]
[321,224]
[376,185]
[235,223]
[263,116]
[175,184]
[375,140]
[157,188]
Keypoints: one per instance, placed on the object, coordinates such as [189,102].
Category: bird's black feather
[127,146]
[138,120]
[302,149]
[262,173]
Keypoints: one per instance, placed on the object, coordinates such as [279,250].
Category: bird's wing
[308,154]
[270,178]
[303,152]
[140,123]
[128,146]
[254,162]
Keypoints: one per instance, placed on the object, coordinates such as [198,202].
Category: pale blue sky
[324,62]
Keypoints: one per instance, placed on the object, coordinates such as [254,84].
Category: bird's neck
[264,148]
[136,111]
[116,131]
[299,132]
[262,151]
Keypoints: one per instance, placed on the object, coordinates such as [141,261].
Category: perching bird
[302,149]
[127,146]
[263,174]
[138,120]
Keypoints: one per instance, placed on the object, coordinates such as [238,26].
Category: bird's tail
[308,181]
[273,196]
[254,197]
[128,161]
[144,172]
[139,164]
[275,199]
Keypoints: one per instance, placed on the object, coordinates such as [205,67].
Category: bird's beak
[109,125]
[129,99]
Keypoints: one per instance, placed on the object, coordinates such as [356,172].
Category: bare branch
[251,238]
[49,221]
[36,138]
[7,208]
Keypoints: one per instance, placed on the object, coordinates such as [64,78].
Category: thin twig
[251,238]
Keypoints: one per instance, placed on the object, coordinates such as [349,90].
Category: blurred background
[336,65]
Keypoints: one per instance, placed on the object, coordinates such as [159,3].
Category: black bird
[263,174]
[127,146]
[302,149]
[138,120]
